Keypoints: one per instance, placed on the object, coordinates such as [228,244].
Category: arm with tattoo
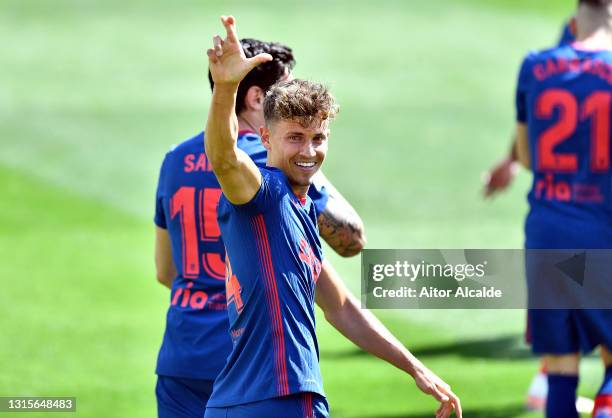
[339,224]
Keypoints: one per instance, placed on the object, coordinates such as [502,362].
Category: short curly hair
[300,100]
[266,74]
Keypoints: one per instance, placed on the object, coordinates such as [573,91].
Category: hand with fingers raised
[228,64]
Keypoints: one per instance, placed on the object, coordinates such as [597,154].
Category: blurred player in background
[497,179]
[269,228]
[564,99]
[190,256]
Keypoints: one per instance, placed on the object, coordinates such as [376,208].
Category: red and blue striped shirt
[275,256]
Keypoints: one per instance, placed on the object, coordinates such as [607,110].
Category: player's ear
[254,98]
[573,27]
[264,133]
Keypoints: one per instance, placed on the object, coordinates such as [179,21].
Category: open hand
[226,59]
[431,384]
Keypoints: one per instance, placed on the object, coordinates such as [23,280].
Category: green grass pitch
[92,93]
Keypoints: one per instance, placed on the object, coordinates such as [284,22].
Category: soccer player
[497,179]
[274,254]
[196,342]
[564,99]
[190,256]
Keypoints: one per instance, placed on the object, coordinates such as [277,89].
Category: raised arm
[342,310]
[339,224]
[237,173]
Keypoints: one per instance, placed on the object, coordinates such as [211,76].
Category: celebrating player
[564,99]
[196,343]
[274,254]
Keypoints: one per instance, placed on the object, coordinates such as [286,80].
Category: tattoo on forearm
[341,228]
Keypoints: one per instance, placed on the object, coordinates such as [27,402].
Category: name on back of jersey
[556,66]
[196,163]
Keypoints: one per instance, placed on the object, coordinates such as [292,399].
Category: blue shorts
[566,331]
[299,405]
[182,398]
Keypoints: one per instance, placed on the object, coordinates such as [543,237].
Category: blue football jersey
[564,96]
[196,342]
[274,260]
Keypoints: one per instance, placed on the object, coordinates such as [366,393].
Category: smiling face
[297,150]
[297,115]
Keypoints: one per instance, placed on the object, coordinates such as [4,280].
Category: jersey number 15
[183,203]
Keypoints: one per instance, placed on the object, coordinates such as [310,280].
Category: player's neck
[594,28]
[250,121]
[300,191]
[600,39]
